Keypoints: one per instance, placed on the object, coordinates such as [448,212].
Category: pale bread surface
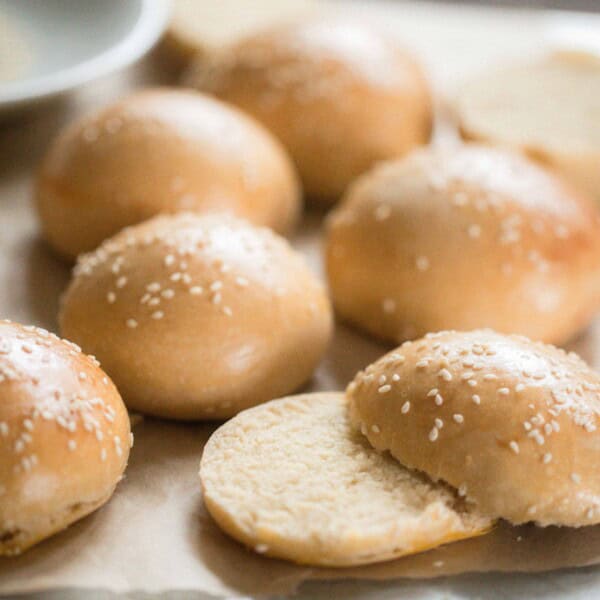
[549,109]
[292,479]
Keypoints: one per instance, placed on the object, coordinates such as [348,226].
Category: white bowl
[51,46]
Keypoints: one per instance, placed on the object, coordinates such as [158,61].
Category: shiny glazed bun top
[340,96]
[464,237]
[161,151]
[511,424]
[198,317]
[64,435]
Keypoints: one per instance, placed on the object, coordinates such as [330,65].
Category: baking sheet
[155,535]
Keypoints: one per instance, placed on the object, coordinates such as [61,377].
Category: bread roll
[161,151]
[460,238]
[548,109]
[292,480]
[510,423]
[64,436]
[339,95]
[198,317]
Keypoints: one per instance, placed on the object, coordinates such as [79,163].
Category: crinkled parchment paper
[155,534]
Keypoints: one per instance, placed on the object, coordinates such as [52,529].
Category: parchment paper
[155,534]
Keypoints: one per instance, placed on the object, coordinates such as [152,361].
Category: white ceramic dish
[48,47]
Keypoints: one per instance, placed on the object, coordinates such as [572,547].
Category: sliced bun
[548,109]
[339,95]
[292,479]
[198,317]
[161,151]
[510,423]
[64,436]
[460,238]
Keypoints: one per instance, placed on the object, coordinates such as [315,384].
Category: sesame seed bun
[548,109]
[339,95]
[510,423]
[461,238]
[161,151]
[64,436]
[198,317]
[292,479]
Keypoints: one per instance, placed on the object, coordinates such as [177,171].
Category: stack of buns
[173,204]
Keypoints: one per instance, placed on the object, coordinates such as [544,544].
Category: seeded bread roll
[548,109]
[460,238]
[64,436]
[510,423]
[291,479]
[339,95]
[198,317]
[161,151]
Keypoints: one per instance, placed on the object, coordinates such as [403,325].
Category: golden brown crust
[339,95]
[64,436]
[198,317]
[461,238]
[510,423]
[161,151]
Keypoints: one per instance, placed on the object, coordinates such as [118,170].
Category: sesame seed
[514,446]
[157,315]
[472,383]
[28,424]
[458,418]
[395,377]
[241,281]
[490,377]
[445,375]
[462,490]
[169,260]
[3,429]
[476,399]
[438,422]
[19,446]
[382,379]
[131,323]
[384,389]
[433,434]
[504,391]
[121,282]
[422,263]
[405,407]
[575,478]
[375,429]
[153,287]
[439,400]
[422,364]
[382,212]
[432,392]
[519,387]
[474,231]
[438,563]
[589,513]
[547,458]
[175,276]
[111,297]
[103,454]
[261,548]
[227,311]
[389,306]
[168,294]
